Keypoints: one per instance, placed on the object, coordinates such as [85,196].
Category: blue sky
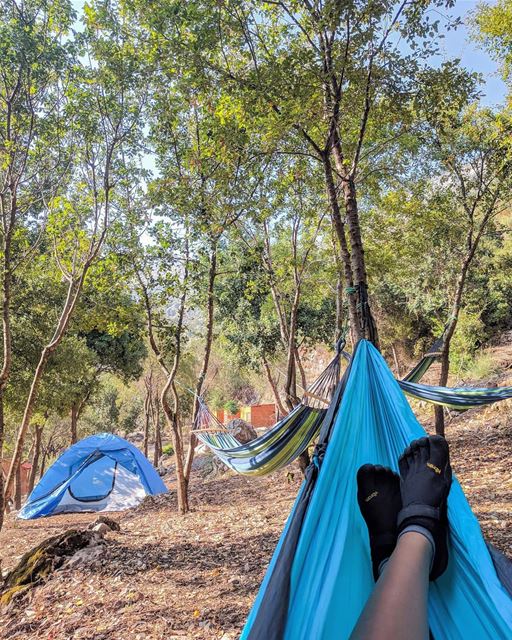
[457,44]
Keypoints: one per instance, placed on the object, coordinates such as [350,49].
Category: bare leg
[397,608]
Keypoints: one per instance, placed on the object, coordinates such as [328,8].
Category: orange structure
[258,415]
[25,473]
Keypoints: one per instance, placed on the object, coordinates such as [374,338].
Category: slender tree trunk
[339,228]
[290,387]
[74,289]
[2,495]
[277,399]
[17,489]
[6,334]
[43,462]
[303,379]
[73,433]
[27,416]
[368,328]
[172,422]
[157,453]
[339,308]
[212,274]
[450,330]
[38,431]
[146,423]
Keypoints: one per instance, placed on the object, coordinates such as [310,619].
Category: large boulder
[208,465]
[242,430]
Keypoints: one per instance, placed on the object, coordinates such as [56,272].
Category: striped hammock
[283,442]
[457,398]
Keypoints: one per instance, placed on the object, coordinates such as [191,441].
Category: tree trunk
[339,309]
[27,416]
[73,433]
[397,364]
[6,343]
[452,325]
[2,497]
[181,481]
[157,453]
[290,387]
[38,432]
[146,423]
[303,379]
[17,489]
[339,228]
[443,379]
[277,399]
[368,327]
[212,273]
[74,289]
[43,462]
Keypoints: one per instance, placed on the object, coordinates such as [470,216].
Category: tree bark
[290,387]
[2,494]
[43,461]
[366,319]
[277,399]
[146,423]
[17,489]
[452,325]
[73,433]
[346,261]
[300,366]
[172,422]
[157,452]
[171,417]
[38,431]
[210,306]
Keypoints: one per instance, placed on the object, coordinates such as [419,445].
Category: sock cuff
[416,528]
[381,566]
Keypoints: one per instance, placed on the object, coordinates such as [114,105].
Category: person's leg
[397,608]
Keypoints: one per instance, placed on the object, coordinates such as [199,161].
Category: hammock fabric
[320,576]
[281,444]
[425,363]
[459,399]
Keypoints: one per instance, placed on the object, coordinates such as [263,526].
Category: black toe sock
[426,477]
[378,495]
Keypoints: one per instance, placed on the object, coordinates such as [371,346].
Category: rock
[242,430]
[110,524]
[87,555]
[101,528]
[137,436]
[208,466]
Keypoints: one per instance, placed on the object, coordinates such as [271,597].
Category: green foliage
[231,407]
[493,27]
[168,450]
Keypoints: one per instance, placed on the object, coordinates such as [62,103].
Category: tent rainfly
[100,473]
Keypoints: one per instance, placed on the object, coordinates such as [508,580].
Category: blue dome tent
[100,473]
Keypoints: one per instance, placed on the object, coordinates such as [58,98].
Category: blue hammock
[320,576]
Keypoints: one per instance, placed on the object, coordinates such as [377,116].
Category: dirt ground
[172,577]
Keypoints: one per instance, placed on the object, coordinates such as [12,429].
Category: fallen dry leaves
[195,576]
